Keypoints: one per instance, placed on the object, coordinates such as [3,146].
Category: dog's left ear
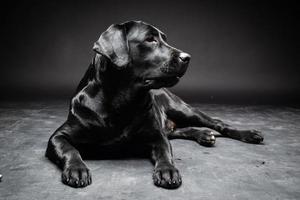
[114,45]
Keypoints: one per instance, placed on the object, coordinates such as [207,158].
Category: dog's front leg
[61,152]
[165,174]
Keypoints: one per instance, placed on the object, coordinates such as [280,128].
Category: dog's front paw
[77,175]
[167,176]
[251,136]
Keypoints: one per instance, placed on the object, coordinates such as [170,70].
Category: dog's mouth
[163,81]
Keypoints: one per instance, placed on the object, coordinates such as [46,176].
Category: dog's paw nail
[258,137]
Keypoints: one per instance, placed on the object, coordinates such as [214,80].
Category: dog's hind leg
[204,136]
[184,115]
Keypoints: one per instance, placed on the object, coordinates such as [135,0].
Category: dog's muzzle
[184,58]
[178,65]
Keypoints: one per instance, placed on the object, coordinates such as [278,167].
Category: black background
[242,51]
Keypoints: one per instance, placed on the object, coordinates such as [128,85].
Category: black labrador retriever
[121,107]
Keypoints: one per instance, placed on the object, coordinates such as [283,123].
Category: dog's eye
[151,39]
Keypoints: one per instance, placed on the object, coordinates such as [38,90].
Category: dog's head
[143,50]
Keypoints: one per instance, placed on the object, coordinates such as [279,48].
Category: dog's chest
[89,109]
[102,125]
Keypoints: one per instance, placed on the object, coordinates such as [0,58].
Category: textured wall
[240,50]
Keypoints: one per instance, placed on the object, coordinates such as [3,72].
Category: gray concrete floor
[230,170]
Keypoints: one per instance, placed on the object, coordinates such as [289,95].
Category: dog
[121,106]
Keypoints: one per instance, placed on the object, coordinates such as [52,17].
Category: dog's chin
[159,82]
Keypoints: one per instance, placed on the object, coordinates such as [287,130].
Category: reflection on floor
[230,170]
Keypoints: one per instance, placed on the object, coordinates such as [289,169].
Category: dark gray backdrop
[242,52]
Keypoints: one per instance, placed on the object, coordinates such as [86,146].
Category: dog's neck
[120,93]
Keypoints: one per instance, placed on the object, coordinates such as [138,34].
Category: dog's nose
[184,57]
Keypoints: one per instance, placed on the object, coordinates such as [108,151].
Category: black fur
[121,107]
